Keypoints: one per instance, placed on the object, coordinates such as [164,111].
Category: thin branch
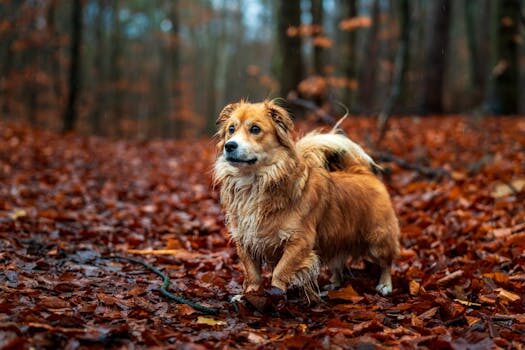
[165,285]
[404,164]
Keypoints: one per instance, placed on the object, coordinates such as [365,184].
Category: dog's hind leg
[385,281]
[338,268]
[383,253]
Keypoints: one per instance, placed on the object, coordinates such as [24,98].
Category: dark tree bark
[54,50]
[100,82]
[476,71]
[75,74]
[348,9]
[401,65]
[504,95]
[317,23]
[290,69]
[436,60]
[368,79]
[9,11]
[174,127]
[115,71]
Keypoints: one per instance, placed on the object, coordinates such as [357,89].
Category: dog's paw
[237,298]
[384,289]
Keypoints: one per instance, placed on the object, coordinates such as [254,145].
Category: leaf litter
[68,201]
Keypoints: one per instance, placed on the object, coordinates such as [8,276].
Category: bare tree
[367,90]
[75,74]
[436,60]
[317,23]
[100,99]
[400,69]
[348,9]
[503,95]
[290,69]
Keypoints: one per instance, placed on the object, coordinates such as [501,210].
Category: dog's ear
[223,117]
[283,123]
[226,113]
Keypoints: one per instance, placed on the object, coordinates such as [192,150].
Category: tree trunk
[368,82]
[505,74]
[70,114]
[290,69]
[54,51]
[401,65]
[476,71]
[317,23]
[436,60]
[174,126]
[7,59]
[115,74]
[99,106]
[348,9]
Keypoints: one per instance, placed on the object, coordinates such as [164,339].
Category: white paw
[236,298]
[384,289]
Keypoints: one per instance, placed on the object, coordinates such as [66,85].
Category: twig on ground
[423,170]
[165,285]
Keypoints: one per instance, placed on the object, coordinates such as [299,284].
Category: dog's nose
[230,146]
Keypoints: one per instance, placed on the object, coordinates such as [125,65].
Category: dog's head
[254,135]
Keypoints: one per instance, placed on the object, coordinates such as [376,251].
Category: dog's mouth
[238,161]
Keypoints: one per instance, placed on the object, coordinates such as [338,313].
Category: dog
[297,205]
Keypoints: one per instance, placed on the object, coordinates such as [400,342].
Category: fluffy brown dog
[293,205]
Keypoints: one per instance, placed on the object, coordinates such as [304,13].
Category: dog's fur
[297,205]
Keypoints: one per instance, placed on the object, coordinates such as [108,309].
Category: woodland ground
[65,201]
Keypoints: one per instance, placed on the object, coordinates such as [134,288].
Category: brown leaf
[450,277]
[429,313]
[53,302]
[414,287]
[347,293]
[472,320]
[210,321]
[508,295]
[499,277]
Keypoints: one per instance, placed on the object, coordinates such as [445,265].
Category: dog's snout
[230,146]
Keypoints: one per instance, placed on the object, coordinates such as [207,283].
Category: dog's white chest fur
[249,224]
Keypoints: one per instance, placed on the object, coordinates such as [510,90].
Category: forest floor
[67,201]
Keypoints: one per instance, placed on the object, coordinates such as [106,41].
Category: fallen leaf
[414,287]
[450,277]
[508,295]
[416,321]
[17,214]
[255,338]
[210,321]
[53,302]
[429,313]
[347,293]
[472,320]
[467,303]
[487,300]
[499,277]
[506,189]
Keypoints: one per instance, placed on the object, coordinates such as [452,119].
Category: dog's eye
[231,129]
[255,129]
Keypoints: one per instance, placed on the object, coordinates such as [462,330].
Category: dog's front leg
[299,265]
[252,271]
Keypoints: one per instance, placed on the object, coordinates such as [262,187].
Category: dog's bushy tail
[333,151]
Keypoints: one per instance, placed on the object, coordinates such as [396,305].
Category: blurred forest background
[165,68]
